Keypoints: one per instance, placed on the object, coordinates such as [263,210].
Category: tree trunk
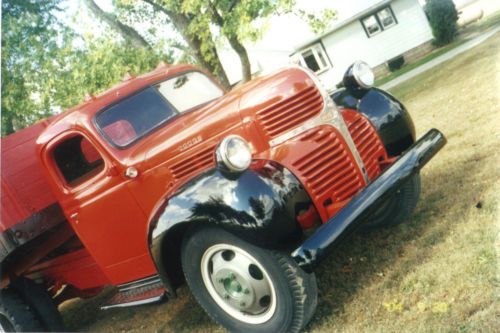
[128,33]
[181,23]
[246,68]
[238,47]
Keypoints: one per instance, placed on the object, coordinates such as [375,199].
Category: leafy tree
[42,70]
[238,20]
[443,17]
[101,64]
[47,67]
[31,37]
[127,32]
[194,30]
[235,21]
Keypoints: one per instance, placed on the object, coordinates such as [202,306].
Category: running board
[145,291]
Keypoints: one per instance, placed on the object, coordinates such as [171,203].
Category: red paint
[25,189]
[309,218]
[110,213]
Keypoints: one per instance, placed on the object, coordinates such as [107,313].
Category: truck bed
[28,206]
[25,191]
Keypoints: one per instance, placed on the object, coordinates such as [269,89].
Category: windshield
[190,90]
[137,115]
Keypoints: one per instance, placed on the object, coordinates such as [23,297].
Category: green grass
[464,36]
[437,273]
[436,53]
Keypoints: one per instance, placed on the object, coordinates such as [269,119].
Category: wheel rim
[5,324]
[238,283]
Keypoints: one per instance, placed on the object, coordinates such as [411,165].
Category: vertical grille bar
[366,140]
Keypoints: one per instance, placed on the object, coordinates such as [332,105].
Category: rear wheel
[397,208]
[246,288]
[27,307]
[16,315]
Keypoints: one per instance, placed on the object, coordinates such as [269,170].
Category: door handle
[73,216]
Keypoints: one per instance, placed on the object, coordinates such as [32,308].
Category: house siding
[351,43]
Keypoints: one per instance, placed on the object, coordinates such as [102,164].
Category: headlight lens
[363,74]
[234,152]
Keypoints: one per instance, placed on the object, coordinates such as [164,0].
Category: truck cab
[167,178]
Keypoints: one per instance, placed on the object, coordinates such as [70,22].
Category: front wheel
[398,207]
[246,288]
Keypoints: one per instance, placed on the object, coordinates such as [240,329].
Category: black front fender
[389,116]
[258,206]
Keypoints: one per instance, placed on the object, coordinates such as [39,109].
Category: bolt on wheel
[238,283]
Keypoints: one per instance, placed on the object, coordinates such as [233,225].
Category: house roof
[342,23]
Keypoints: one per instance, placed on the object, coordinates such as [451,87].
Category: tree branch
[128,33]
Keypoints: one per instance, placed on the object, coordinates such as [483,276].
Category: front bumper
[342,224]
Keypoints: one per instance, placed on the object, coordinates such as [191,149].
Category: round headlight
[363,74]
[235,153]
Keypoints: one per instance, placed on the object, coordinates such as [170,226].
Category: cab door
[97,202]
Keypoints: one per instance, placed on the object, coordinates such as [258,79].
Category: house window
[379,21]
[314,58]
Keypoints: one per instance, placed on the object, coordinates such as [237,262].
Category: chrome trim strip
[139,283]
[134,303]
[330,115]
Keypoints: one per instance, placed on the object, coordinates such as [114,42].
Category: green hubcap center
[232,286]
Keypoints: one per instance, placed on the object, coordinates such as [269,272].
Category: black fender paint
[258,205]
[389,116]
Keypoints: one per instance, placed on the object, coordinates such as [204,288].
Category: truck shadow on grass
[355,265]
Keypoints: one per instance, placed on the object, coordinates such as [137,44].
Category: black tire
[397,208]
[42,304]
[295,290]
[16,315]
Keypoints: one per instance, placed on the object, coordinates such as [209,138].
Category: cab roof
[83,113]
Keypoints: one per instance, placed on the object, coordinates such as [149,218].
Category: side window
[314,58]
[77,160]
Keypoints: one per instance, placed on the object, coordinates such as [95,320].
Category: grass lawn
[437,273]
[436,53]
[464,36]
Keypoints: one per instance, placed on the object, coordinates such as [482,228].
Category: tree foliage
[443,17]
[236,21]
[31,36]
[42,70]
[47,67]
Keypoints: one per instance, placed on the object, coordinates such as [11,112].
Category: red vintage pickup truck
[167,178]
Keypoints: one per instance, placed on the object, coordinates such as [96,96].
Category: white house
[371,30]
[379,32]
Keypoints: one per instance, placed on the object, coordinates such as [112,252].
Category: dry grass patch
[438,272]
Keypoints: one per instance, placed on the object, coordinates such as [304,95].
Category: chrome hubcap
[238,283]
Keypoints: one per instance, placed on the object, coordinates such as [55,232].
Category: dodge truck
[167,178]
